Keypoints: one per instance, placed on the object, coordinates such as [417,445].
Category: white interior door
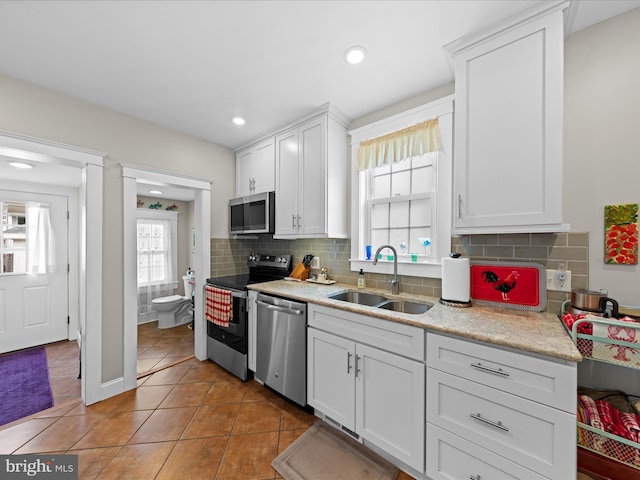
[33,306]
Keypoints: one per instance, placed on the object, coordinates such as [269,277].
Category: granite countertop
[541,333]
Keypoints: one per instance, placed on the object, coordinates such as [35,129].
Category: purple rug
[24,384]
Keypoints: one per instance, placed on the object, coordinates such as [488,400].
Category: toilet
[175,310]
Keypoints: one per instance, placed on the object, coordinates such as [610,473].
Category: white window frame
[441,241]
[172,217]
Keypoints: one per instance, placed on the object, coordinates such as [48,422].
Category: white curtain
[155,262]
[41,245]
[398,146]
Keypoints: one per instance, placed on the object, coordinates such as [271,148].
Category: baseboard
[112,388]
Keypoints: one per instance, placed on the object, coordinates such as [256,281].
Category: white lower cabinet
[450,457]
[504,410]
[377,394]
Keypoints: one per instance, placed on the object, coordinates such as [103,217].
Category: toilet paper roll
[456,279]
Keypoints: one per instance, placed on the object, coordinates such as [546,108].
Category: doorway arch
[131,174]
[89,261]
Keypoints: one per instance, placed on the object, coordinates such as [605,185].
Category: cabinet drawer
[391,336]
[548,381]
[535,436]
[450,457]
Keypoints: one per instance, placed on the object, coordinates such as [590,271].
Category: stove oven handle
[280,309]
[234,293]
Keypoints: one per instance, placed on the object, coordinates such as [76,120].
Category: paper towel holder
[455,303]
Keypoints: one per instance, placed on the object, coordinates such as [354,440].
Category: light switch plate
[315,262]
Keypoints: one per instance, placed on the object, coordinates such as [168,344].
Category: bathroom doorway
[137,180]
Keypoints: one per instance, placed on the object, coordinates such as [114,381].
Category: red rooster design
[503,286]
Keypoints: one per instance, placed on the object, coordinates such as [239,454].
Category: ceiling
[193,65]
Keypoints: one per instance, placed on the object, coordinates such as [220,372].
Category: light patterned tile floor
[192,420]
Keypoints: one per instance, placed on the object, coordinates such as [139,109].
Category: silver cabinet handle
[459,206]
[299,221]
[357,367]
[293,221]
[474,477]
[497,424]
[349,354]
[497,371]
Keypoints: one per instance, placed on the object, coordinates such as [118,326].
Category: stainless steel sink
[378,301]
[404,306]
[361,298]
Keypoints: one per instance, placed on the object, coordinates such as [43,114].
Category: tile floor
[192,420]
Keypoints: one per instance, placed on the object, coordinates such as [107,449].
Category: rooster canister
[456,281]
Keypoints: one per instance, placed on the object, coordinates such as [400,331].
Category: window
[156,251]
[402,206]
[406,204]
[26,238]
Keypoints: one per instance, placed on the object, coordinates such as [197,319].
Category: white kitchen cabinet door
[390,396]
[330,376]
[255,169]
[508,129]
[253,329]
[311,179]
[287,182]
[301,180]
[312,205]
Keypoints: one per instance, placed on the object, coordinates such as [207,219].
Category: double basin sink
[378,301]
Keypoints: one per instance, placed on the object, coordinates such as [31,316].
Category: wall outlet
[315,263]
[559,280]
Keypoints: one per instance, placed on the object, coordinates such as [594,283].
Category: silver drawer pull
[349,361]
[497,424]
[497,371]
[474,477]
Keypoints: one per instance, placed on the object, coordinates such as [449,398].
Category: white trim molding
[89,260]
[202,214]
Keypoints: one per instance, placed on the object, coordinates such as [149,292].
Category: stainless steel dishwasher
[281,346]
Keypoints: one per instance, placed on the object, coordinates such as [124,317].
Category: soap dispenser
[361,282]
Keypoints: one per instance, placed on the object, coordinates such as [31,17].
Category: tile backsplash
[229,256]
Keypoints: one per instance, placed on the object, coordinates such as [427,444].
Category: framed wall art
[621,234]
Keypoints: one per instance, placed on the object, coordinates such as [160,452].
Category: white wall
[42,113]
[602,140]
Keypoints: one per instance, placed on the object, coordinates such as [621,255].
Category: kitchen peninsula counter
[539,333]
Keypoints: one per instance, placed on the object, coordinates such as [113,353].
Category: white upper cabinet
[255,168]
[508,125]
[311,178]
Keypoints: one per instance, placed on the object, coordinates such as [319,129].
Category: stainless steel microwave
[252,214]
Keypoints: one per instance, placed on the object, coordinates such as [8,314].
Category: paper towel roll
[456,279]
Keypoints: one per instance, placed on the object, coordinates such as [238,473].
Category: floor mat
[24,384]
[324,452]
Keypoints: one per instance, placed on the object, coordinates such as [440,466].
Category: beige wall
[601,140]
[42,113]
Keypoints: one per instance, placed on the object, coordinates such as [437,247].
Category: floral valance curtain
[398,146]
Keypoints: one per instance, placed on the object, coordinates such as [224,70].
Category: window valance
[398,146]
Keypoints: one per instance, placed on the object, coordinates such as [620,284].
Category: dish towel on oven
[219,305]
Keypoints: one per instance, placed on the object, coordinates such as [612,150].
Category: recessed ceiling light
[238,120]
[20,165]
[355,54]
[155,192]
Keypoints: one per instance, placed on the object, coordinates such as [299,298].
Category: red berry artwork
[621,234]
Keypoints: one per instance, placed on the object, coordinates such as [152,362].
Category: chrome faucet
[395,283]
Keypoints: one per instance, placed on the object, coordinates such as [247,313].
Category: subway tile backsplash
[229,256]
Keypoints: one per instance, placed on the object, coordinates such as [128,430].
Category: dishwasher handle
[280,309]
